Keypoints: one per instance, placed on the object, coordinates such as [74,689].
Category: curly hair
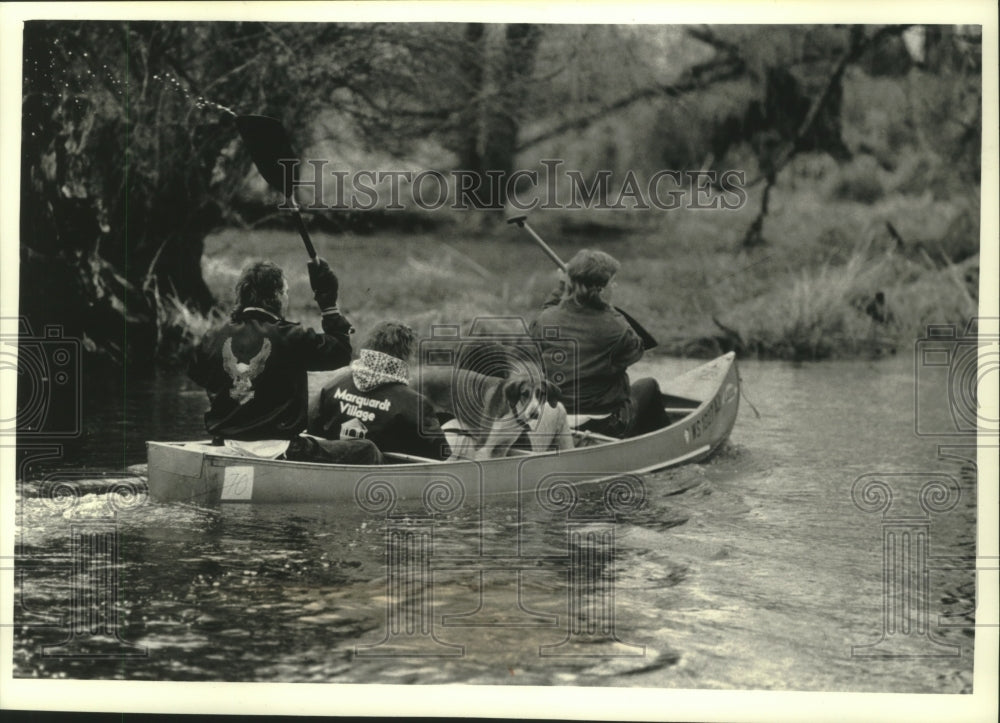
[589,271]
[393,338]
[261,284]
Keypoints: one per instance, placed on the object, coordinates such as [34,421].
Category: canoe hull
[195,472]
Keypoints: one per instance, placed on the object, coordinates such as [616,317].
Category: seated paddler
[254,369]
[597,391]
[372,399]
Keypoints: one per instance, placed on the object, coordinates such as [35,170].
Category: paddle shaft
[544,246]
[301,225]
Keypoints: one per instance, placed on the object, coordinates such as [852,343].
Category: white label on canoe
[237,484]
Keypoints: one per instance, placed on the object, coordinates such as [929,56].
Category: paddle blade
[648,342]
[268,143]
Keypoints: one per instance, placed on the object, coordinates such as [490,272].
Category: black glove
[324,284]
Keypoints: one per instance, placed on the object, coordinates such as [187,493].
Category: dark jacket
[392,415]
[604,346]
[254,370]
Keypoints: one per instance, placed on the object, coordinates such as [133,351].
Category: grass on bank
[802,295]
[180,328]
[830,311]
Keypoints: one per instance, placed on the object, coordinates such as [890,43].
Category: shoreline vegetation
[839,276]
[858,152]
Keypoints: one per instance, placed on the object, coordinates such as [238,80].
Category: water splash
[201,103]
[77,75]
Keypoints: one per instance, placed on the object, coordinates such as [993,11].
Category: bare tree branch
[697,78]
[704,34]
[857,46]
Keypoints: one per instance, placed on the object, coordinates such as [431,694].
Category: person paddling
[254,369]
[599,391]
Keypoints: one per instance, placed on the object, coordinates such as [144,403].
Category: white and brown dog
[491,413]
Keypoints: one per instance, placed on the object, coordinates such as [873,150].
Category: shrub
[180,327]
[860,180]
[824,312]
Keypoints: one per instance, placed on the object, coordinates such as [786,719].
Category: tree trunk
[471,68]
[115,197]
[516,66]
[496,74]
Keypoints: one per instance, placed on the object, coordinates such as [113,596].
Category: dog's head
[526,395]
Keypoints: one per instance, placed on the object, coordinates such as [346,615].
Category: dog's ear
[552,394]
[512,392]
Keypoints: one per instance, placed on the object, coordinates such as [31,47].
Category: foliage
[805,298]
[130,158]
[180,328]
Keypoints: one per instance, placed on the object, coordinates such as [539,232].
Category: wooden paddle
[648,342]
[268,143]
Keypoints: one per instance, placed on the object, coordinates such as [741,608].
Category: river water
[754,570]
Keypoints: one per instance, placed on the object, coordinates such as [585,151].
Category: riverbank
[836,277]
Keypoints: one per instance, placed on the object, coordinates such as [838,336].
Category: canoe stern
[179,473]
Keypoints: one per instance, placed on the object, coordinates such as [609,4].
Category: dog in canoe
[491,413]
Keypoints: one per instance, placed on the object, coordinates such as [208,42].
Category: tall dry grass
[180,327]
[829,311]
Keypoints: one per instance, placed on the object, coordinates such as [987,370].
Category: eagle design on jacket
[242,373]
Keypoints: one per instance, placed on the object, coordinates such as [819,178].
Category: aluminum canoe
[702,404]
